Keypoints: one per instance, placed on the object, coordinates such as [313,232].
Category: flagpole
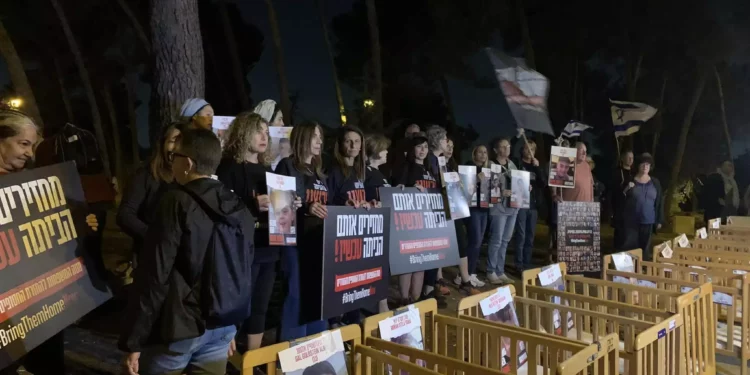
[617,141]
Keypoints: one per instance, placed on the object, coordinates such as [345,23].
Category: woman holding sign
[305,165]
[19,135]
[346,177]
[376,151]
[477,221]
[415,174]
[243,169]
[502,219]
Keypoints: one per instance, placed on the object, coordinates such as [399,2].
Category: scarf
[731,191]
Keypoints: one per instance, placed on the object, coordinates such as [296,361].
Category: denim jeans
[501,231]
[476,225]
[291,328]
[525,229]
[204,355]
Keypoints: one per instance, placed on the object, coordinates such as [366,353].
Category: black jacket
[712,191]
[617,184]
[537,181]
[139,205]
[248,180]
[164,305]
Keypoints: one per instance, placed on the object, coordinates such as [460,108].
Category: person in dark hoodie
[141,199]
[172,317]
[527,217]
[415,174]
[622,176]
[305,165]
[243,168]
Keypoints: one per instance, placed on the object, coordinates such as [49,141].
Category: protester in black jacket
[247,159]
[346,176]
[305,165]
[376,150]
[141,199]
[167,315]
[622,176]
[527,217]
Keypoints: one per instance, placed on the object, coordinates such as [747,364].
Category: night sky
[309,71]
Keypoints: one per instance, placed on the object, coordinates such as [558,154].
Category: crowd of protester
[198,198]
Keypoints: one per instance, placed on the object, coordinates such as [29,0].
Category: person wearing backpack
[192,287]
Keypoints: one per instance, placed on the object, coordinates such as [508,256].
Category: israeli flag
[574,129]
[627,117]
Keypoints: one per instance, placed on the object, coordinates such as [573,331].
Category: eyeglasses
[172,155]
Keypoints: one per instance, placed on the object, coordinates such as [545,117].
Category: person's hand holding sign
[419,187]
[92,222]
[297,202]
[507,193]
[319,210]
[630,186]
[263,202]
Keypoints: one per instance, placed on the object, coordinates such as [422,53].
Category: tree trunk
[336,83]
[18,76]
[286,104]
[234,56]
[686,122]
[88,88]
[377,87]
[130,87]
[659,120]
[723,113]
[178,52]
[136,25]
[64,91]
[119,171]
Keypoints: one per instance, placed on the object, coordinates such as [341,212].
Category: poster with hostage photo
[499,308]
[404,328]
[323,355]
[520,186]
[455,197]
[497,184]
[220,126]
[280,145]
[282,216]
[484,187]
[551,277]
[468,176]
[562,170]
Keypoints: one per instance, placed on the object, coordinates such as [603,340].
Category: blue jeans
[525,228]
[476,225]
[501,231]
[291,328]
[206,354]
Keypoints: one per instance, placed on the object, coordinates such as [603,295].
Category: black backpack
[225,282]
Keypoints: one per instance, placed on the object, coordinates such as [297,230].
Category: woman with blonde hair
[243,169]
[477,222]
[305,165]
[19,136]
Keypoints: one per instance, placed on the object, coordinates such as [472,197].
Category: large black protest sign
[355,260]
[578,236]
[47,281]
[421,236]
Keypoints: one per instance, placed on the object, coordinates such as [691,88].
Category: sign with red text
[421,236]
[355,261]
[47,280]
[321,355]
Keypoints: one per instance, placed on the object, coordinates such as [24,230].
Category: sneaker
[475,281]
[458,281]
[493,279]
[468,289]
[442,285]
[505,279]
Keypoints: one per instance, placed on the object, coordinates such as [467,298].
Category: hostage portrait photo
[281,212]
[562,167]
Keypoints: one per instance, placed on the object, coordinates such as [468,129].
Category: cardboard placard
[578,236]
[48,280]
[421,236]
